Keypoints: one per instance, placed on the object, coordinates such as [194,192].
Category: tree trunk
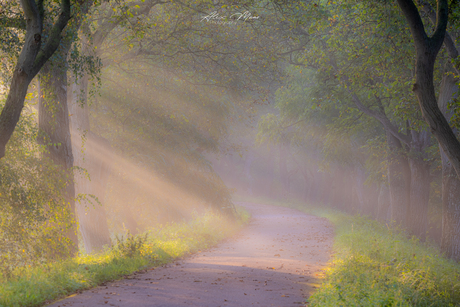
[399,180]
[13,107]
[271,170]
[92,217]
[284,176]
[450,241]
[427,49]
[383,206]
[360,177]
[371,195]
[91,153]
[335,192]
[450,238]
[419,197]
[420,184]
[55,131]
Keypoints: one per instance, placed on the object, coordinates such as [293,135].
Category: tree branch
[54,38]
[448,41]
[381,117]
[415,22]
[30,9]
[441,23]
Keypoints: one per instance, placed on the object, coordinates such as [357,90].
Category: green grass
[38,285]
[374,265]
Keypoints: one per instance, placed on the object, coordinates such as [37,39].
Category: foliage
[39,284]
[129,246]
[34,216]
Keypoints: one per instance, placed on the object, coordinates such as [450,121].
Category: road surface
[277,260]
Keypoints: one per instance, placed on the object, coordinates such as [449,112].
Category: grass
[374,265]
[38,285]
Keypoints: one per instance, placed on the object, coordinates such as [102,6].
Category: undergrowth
[34,286]
[374,265]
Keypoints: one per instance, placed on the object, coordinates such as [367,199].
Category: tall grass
[34,286]
[375,265]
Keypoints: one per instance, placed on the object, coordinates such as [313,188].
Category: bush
[130,246]
[34,216]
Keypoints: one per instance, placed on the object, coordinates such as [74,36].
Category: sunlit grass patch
[374,265]
[34,286]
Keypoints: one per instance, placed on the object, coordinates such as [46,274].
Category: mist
[123,119]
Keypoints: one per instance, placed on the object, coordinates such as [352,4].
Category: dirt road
[275,261]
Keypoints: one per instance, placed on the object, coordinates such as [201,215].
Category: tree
[369,73]
[427,49]
[31,59]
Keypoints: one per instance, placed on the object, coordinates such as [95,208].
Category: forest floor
[277,260]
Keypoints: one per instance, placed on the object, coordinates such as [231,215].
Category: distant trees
[356,61]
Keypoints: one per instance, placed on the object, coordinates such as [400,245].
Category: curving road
[275,261]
